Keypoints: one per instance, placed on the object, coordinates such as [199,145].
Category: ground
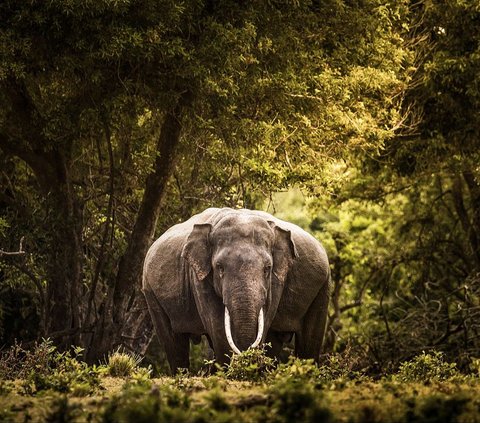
[44,384]
[215,398]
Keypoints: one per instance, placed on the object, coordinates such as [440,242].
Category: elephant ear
[284,252]
[197,251]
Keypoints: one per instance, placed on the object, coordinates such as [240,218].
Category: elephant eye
[267,270]
[220,269]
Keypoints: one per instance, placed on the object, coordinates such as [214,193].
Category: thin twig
[20,251]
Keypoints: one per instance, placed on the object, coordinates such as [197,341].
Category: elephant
[242,278]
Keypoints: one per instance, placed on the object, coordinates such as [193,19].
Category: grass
[250,389]
[122,364]
[204,399]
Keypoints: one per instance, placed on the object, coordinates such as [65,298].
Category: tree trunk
[121,297]
[465,219]
[474,190]
[64,264]
[65,267]
[23,136]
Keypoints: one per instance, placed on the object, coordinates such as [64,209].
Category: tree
[418,285]
[105,103]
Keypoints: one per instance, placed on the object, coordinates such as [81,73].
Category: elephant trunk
[246,334]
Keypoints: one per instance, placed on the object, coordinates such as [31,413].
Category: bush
[43,367]
[307,371]
[5,387]
[139,404]
[293,399]
[427,368]
[474,367]
[17,362]
[439,409]
[65,373]
[297,369]
[122,364]
[63,411]
[6,415]
[133,404]
[251,365]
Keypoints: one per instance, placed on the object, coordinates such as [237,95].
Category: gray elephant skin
[240,277]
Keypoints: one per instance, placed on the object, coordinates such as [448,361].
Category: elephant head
[246,259]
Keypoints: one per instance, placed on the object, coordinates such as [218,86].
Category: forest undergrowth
[43,384]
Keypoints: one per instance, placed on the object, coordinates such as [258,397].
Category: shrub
[122,364]
[43,367]
[427,368]
[133,404]
[17,362]
[217,409]
[139,404]
[293,399]
[63,411]
[297,369]
[439,409]
[142,376]
[6,415]
[251,365]
[60,372]
[344,366]
[5,387]
[295,393]
[474,367]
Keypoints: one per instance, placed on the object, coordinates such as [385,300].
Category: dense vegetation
[357,120]
[46,385]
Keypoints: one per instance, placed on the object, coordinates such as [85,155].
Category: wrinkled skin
[245,261]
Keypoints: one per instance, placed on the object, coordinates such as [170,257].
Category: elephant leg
[275,344]
[276,341]
[222,352]
[309,340]
[177,345]
[210,343]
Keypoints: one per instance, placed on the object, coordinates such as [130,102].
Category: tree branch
[20,251]
[108,223]
[458,201]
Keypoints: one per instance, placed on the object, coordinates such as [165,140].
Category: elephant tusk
[260,330]
[228,332]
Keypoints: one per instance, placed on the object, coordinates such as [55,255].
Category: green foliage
[200,354]
[218,408]
[252,364]
[44,368]
[17,363]
[293,398]
[403,276]
[5,387]
[369,109]
[6,415]
[122,364]
[142,376]
[335,371]
[342,366]
[141,404]
[474,367]
[427,367]
[300,370]
[62,411]
[438,409]
[65,373]
[266,95]
[217,401]
[133,404]
[3,226]
[296,391]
